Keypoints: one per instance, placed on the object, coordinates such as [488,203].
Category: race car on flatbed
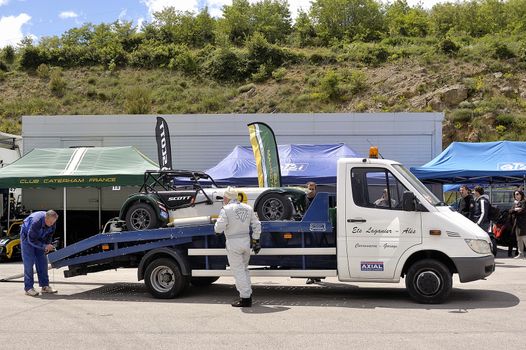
[160,200]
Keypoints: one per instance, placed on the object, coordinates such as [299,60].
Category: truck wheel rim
[162,279]
[273,209]
[428,283]
[140,219]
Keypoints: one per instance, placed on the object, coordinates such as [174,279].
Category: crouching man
[235,220]
[36,235]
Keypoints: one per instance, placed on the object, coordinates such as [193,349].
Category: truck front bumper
[476,268]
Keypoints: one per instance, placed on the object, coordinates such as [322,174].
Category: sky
[38,18]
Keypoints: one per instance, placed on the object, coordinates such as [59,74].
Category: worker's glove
[213,220]
[256,246]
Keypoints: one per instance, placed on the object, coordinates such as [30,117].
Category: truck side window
[376,188]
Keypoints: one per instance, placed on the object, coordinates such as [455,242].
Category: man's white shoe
[48,290]
[32,292]
[519,256]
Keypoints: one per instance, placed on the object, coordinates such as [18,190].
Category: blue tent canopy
[484,162]
[299,164]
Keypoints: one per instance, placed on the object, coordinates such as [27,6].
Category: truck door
[378,230]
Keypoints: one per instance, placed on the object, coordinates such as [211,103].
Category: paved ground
[111,310]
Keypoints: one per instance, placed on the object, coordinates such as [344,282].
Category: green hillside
[342,56]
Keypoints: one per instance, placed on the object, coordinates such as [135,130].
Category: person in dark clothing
[481,215]
[481,210]
[311,187]
[36,235]
[518,214]
[466,205]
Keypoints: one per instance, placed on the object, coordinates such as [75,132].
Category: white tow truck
[383,225]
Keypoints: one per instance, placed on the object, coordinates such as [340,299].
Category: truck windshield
[420,187]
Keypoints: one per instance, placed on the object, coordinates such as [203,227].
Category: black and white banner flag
[164,148]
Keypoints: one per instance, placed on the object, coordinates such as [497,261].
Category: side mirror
[409,201]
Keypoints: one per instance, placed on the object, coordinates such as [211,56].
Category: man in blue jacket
[36,235]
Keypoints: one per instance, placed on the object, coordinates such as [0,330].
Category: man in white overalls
[235,220]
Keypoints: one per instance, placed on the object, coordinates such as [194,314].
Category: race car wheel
[141,216]
[274,206]
[164,279]
[428,281]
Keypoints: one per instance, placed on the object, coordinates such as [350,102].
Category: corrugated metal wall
[201,141]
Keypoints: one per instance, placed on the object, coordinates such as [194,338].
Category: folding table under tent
[77,167]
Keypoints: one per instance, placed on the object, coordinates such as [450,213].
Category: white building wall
[200,141]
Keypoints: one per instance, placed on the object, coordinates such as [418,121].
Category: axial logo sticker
[372,265]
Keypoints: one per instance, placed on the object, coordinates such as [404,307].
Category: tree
[272,19]
[304,29]
[351,19]
[237,21]
[407,21]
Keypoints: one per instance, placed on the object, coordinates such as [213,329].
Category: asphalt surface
[111,310]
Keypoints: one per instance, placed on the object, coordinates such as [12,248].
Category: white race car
[160,201]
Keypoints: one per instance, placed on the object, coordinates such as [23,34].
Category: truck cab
[390,225]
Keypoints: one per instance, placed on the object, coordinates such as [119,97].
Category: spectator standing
[466,205]
[481,215]
[518,214]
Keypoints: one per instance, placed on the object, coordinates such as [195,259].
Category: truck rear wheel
[141,216]
[428,281]
[274,206]
[164,279]
[202,281]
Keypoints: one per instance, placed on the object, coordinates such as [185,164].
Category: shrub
[186,62]
[225,65]
[261,52]
[279,74]
[138,101]
[463,115]
[321,58]
[9,54]
[505,119]
[56,83]
[43,71]
[246,88]
[329,85]
[502,51]
[357,81]
[449,47]
[501,129]
[3,66]
[32,57]
[262,74]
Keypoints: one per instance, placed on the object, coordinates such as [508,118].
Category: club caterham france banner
[164,147]
[265,150]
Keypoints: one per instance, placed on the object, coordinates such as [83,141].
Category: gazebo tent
[77,167]
[484,162]
[299,164]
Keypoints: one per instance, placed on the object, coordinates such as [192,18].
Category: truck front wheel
[428,281]
[164,279]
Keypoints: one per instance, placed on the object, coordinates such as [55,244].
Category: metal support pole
[100,208]
[8,208]
[65,205]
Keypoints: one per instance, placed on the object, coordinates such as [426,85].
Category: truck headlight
[479,246]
